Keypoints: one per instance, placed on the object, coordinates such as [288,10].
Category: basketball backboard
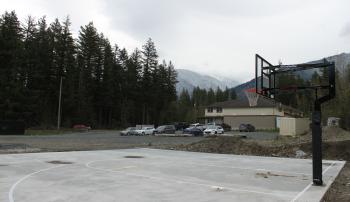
[264,77]
[272,80]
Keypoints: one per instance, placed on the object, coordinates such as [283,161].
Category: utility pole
[59,106]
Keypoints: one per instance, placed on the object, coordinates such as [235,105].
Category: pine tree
[70,74]
[11,53]
[89,62]
[133,77]
[149,63]
[29,64]
[233,94]
[107,104]
[219,95]
[211,97]
[185,106]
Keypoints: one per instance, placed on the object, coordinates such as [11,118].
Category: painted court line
[235,167]
[13,187]
[184,182]
[309,185]
[254,169]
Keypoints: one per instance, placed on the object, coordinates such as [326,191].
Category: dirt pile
[328,134]
[233,145]
[230,145]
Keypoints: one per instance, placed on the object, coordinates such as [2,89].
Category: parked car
[226,127]
[166,129]
[213,130]
[198,125]
[128,131]
[81,127]
[246,128]
[145,131]
[181,125]
[194,131]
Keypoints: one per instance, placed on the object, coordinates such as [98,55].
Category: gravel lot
[93,140]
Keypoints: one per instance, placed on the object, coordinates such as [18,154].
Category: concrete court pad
[158,175]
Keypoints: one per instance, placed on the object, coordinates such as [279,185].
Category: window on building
[219,110]
[210,110]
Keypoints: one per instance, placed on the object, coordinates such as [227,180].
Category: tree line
[103,85]
[191,106]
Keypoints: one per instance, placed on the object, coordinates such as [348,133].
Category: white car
[213,130]
[145,131]
[198,125]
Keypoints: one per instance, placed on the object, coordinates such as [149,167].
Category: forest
[103,85]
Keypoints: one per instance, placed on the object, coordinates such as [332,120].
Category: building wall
[302,125]
[259,122]
[245,112]
[294,126]
[216,120]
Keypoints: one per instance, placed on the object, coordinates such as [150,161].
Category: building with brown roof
[265,115]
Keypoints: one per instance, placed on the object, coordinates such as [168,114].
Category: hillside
[189,80]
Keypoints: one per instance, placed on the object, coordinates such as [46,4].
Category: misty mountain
[342,61]
[189,80]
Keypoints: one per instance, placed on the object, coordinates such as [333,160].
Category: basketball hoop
[252,96]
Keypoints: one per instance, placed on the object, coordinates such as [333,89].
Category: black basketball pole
[317,144]
[317,127]
[316,114]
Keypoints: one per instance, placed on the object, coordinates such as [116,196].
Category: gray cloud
[159,16]
[211,36]
[345,31]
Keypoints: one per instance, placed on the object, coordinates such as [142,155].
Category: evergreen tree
[89,62]
[102,86]
[70,74]
[233,94]
[133,77]
[219,95]
[149,63]
[10,67]
[211,97]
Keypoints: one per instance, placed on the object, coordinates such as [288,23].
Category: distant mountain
[341,62]
[189,80]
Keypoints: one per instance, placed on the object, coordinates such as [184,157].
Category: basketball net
[252,96]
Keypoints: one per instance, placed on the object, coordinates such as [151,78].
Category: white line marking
[309,185]
[255,169]
[11,198]
[234,167]
[184,182]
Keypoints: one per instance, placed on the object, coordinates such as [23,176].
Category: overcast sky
[210,36]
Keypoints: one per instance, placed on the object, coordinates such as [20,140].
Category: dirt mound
[231,145]
[329,134]
[337,150]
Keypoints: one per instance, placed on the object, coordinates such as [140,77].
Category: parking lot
[95,140]
[92,140]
